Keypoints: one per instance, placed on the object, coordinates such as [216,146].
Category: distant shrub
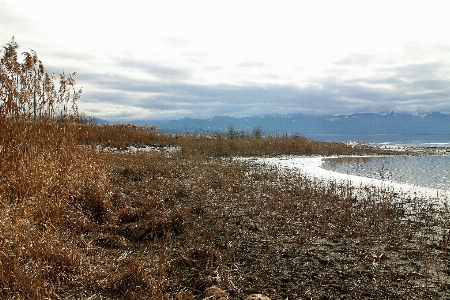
[257,132]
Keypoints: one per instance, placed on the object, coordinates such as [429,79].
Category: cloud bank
[357,83]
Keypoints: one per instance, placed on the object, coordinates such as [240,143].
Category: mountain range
[360,123]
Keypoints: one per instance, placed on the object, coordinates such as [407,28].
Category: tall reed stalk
[47,181]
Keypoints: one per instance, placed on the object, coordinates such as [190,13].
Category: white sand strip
[361,186]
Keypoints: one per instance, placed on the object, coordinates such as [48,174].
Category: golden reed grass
[50,187]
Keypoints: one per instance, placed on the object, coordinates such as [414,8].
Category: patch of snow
[168,150]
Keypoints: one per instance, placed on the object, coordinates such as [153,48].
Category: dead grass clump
[93,203]
[150,228]
[131,174]
[131,282]
[129,215]
[108,241]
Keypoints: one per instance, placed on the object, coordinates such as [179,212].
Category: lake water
[411,140]
[426,171]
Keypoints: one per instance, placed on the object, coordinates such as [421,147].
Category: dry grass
[121,136]
[78,223]
[50,187]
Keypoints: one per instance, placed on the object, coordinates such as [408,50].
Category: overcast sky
[170,60]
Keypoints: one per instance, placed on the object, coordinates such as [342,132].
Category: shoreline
[360,186]
[418,150]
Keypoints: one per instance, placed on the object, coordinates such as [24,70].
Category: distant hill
[99,121]
[362,123]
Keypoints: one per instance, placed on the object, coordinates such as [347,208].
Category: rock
[216,293]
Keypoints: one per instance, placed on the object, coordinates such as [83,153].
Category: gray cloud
[355,59]
[409,86]
[8,20]
[155,69]
[193,57]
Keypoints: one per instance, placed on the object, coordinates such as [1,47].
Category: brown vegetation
[77,222]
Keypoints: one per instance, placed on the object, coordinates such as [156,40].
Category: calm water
[414,140]
[427,171]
